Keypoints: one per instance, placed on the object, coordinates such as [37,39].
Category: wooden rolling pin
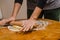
[19,23]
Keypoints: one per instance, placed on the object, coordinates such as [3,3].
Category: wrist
[12,18]
[33,18]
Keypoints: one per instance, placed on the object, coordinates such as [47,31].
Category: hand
[11,19]
[4,21]
[27,25]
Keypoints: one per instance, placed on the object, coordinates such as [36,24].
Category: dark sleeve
[19,1]
[41,3]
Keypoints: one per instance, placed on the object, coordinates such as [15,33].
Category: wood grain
[52,32]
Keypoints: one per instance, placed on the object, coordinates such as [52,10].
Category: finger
[28,28]
[2,23]
[23,22]
[22,28]
[31,27]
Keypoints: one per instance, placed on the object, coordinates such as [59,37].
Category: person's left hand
[27,25]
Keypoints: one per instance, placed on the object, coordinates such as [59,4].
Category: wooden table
[52,32]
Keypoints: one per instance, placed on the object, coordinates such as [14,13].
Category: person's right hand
[4,21]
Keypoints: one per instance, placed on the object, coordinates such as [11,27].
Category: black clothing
[31,4]
[19,1]
[48,14]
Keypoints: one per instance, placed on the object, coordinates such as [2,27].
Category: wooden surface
[52,32]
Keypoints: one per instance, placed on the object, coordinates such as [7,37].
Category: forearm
[16,8]
[36,13]
[38,9]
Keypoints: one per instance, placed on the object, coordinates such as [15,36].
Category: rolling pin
[19,23]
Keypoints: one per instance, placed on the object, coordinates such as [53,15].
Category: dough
[14,28]
[41,25]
